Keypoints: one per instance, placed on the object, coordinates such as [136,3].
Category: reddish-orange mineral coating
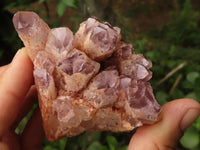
[87,81]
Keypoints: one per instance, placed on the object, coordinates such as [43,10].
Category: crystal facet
[87,81]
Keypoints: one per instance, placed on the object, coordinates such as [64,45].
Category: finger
[26,106]
[176,116]
[3,146]
[11,140]
[33,135]
[14,84]
[3,68]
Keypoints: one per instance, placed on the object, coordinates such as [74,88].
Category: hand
[16,99]
[175,117]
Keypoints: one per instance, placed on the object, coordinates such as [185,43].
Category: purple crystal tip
[23,20]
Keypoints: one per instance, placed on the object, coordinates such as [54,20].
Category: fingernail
[190,116]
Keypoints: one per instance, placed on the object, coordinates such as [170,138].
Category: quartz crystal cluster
[87,81]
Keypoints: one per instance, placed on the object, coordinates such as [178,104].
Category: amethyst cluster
[87,81]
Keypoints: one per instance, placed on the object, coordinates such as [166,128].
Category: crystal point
[23,20]
[32,30]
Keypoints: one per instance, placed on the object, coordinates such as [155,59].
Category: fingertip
[167,131]
[183,102]
[189,117]
[21,51]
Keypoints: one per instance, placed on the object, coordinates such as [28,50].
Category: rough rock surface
[87,81]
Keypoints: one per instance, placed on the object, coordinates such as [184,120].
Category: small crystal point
[63,36]
[24,20]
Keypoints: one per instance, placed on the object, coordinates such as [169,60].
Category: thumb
[175,117]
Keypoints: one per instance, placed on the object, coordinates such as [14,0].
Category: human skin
[18,94]
[175,117]
[16,99]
